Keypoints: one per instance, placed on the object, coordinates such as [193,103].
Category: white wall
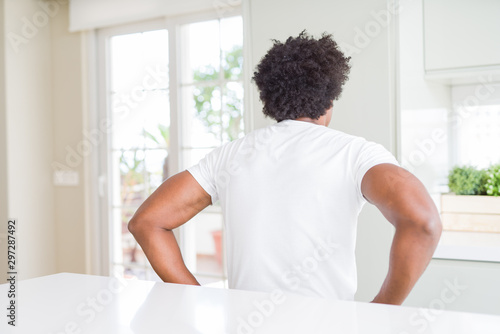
[67,81]
[41,80]
[92,14]
[364,108]
[30,140]
[3,151]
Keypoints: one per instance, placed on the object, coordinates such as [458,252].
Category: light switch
[67,178]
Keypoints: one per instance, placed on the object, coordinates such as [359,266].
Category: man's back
[290,195]
[291,192]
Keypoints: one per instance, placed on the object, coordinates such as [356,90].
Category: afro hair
[301,77]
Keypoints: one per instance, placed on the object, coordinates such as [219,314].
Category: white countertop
[73,303]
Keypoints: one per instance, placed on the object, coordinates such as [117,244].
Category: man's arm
[176,201]
[405,202]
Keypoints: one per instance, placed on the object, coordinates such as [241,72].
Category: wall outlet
[66,178]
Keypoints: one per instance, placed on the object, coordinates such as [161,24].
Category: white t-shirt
[290,195]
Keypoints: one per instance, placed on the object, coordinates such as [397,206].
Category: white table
[72,303]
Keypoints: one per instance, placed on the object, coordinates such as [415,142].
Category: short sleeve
[370,154]
[205,173]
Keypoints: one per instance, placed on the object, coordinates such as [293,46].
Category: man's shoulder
[262,136]
[343,138]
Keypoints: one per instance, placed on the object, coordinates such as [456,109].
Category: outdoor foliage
[163,139]
[131,169]
[205,96]
[219,111]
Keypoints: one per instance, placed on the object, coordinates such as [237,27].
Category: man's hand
[175,202]
[405,202]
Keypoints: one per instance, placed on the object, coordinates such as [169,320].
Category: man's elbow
[137,225]
[141,224]
[430,226]
[133,226]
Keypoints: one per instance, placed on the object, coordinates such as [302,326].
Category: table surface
[74,303]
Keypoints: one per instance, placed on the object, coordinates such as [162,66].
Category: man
[291,193]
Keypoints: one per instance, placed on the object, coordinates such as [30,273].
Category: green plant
[493,180]
[467,180]
[163,139]
[207,98]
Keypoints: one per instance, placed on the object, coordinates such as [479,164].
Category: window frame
[466,245]
[476,247]
[100,221]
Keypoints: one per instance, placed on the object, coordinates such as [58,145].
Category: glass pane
[117,234]
[139,86]
[125,248]
[132,272]
[191,157]
[156,168]
[127,124]
[116,179]
[156,112]
[201,51]
[132,177]
[479,136]
[127,177]
[212,282]
[209,239]
[152,276]
[201,116]
[116,270]
[424,146]
[232,47]
[129,272]
[139,60]
[232,112]
[146,124]
[132,252]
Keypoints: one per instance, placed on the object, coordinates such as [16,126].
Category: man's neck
[319,121]
[322,120]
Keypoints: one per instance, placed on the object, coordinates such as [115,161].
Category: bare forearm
[407,205]
[172,204]
[411,252]
[162,251]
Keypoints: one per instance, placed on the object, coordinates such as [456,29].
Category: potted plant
[493,181]
[474,203]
